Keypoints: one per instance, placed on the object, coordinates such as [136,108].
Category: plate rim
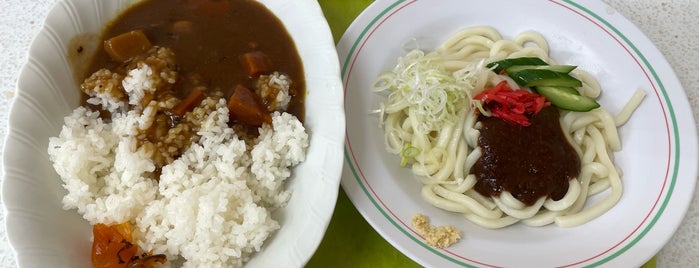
[379,11]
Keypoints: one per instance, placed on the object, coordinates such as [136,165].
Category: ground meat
[441,237]
[166,141]
[149,74]
[145,85]
[137,82]
[104,89]
[274,91]
[161,60]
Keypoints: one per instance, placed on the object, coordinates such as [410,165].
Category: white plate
[44,235]
[658,159]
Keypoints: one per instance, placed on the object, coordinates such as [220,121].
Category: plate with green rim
[659,143]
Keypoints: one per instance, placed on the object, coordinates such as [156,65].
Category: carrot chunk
[127,45]
[257,63]
[192,99]
[112,245]
[245,107]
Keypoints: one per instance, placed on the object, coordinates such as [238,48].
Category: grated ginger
[436,236]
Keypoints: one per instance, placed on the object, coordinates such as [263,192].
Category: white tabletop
[670,24]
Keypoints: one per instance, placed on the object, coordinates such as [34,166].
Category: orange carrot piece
[192,99]
[127,45]
[112,245]
[245,107]
[257,63]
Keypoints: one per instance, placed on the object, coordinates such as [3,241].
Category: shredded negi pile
[195,177]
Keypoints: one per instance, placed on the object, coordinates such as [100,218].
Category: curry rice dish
[190,124]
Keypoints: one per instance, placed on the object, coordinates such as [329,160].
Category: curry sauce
[209,39]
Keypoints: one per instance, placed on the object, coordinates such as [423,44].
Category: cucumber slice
[538,77]
[569,90]
[507,63]
[556,68]
[561,98]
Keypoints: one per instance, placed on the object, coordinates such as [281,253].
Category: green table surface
[350,241]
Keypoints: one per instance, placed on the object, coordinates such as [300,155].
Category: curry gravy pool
[208,42]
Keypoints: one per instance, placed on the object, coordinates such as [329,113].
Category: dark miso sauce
[529,162]
[209,38]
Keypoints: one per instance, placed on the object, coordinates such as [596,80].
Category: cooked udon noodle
[430,121]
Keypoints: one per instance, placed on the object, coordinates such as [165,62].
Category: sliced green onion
[479,105]
[409,152]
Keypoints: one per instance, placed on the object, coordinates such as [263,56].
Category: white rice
[212,206]
[104,100]
[137,83]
